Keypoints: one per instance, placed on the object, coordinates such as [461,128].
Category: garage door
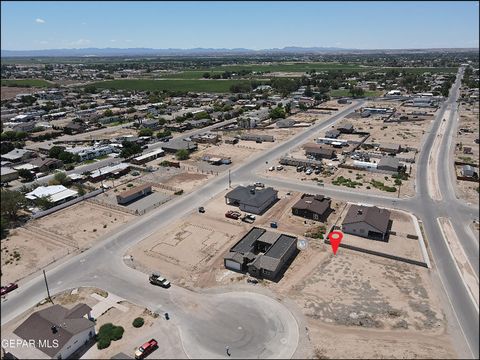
[230,264]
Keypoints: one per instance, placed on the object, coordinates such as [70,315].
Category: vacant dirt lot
[43,241]
[369,301]
[9,92]
[363,178]
[467,150]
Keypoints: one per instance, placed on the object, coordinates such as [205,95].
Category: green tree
[138,322]
[11,203]
[129,149]
[90,89]
[108,113]
[60,178]
[356,91]
[164,133]
[308,91]
[26,175]
[4,226]
[145,132]
[277,113]
[55,152]
[44,202]
[131,110]
[182,154]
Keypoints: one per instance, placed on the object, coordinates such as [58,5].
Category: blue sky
[254,25]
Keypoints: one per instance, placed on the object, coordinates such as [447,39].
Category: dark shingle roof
[315,203]
[373,216]
[251,196]
[246,243]
[68,322]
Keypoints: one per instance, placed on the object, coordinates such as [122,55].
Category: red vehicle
[233,214]
[146,349]
[8,288]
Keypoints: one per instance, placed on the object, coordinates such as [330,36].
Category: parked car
[157,279]
[299,168]
[146,349]
[308,172]
[259,184]
[9,287]
[317,171]
[248,218]
[274,224]
[231,214]
[279,167]
[252,281]
[271,168]
[201,209]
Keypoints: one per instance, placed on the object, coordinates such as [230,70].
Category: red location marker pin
[335,239]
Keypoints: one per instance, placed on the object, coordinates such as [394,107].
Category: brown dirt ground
[45,240]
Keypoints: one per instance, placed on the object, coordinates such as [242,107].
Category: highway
[102,265]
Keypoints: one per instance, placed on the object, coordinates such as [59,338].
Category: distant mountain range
[97,52]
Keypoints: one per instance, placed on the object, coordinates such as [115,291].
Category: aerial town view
[214,180]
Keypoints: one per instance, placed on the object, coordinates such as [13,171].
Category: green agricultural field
[189,74]
[292,67]
[27,83]
[419,70]
[345,92]
[218,86]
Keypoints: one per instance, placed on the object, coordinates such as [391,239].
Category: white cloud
[113,40]
[39,21]
[43,42]
[128,41]
[80,42]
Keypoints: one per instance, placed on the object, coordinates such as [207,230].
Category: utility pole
[46,285]
[229,180]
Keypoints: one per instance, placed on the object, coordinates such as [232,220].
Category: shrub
[179,192]
[138,322]
[103,343]
[107,333]
[117,333]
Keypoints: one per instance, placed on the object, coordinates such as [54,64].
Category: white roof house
[57,193]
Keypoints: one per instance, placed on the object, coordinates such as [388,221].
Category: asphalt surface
[102,265]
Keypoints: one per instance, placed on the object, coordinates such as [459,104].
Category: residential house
[56,331]
[251,199]
[318,152]
[134,194]
[56,193]
[346,128]
[469,171]
[314,207]
[390,148]
[149,156]
[17,155]
[389,163]
[367,221]
[47,164]
[261,253]
[332,134]
[7,174]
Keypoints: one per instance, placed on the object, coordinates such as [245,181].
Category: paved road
[102,265]
[427,210]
